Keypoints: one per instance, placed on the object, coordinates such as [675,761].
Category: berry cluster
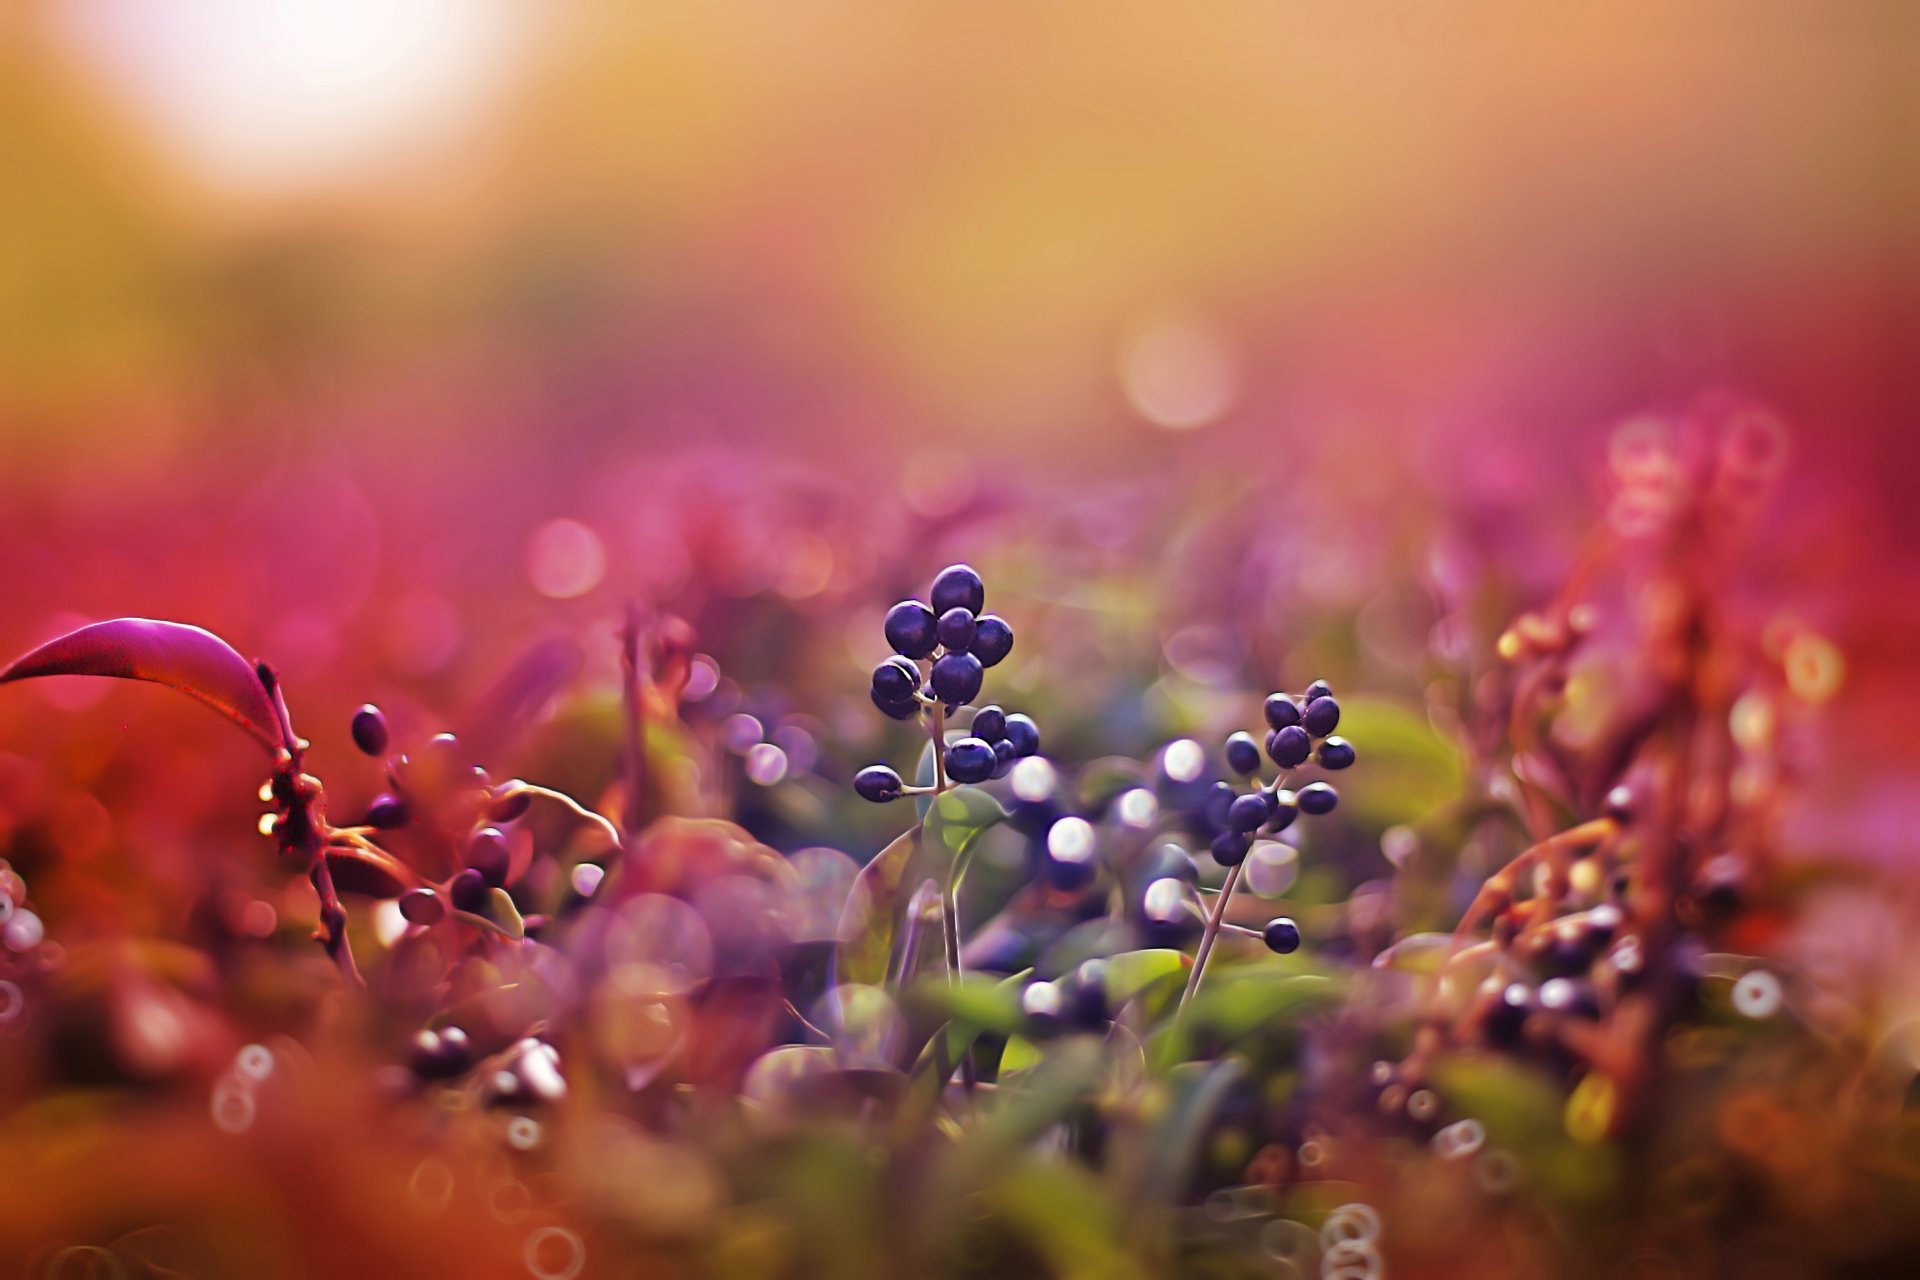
[941,653]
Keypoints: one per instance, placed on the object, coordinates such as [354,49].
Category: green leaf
[1130,973]
[1021,1054]
[1406,769]
[1193,1091]
[872,915]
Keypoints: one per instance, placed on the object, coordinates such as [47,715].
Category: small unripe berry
[470,892]
[877,783]
[990,724]
[911,629]
[1321,717]
[1229,848]
[970,760]
[1246,813]
[1334,754]
[1281,935]
[1023,734]
[895,680]
[487,853]
[387,812]
[1317,798]
[1289,747]
[1280,711]
[958,587]
[370,730]
[956,678]
[1243,754]
[955,629]
[992,639]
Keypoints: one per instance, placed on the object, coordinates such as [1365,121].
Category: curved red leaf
[196,662]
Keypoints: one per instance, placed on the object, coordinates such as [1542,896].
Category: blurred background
[391,339]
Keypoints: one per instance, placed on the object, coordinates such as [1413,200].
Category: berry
[1286,807]
[1218,804]
[1003,758]
[1290,746]
[1243,754]
[1569,996]
[1247,812]
[1318,689]
[970,760]
[1318,798]
[1281,711]
[992,639]
[422,906]
[956,678]
[1321,717]
[1281,935]
[911,629]
[903,710]
[1619,804]
[895,680]
[370,730]
[1506,1019]
[1023,734]
[387,812]
[470,892]
[1334,753]
[877,783]
[955,629]
[990,724]
[1229,848]
[958,587]
[487,854]
[1086,996]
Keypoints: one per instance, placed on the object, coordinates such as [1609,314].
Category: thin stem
[949,906]
[579,810]
[1207,937]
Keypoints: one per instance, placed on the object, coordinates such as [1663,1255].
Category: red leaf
[197,663]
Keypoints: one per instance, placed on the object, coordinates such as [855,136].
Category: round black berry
[1285,808]
[1318,798]
[1334,753]
[877,783]
[911,629]
[970,760]
[1230,848]
[958,587]
[955,629]
[1321,717]
[956,678]
[1281,711]
[370,730]
[470,892]
[487,854]
[1318,689]
[990,723]
[1024,734]
[1281,935]
[1218,804]
[895,680]
[902,710]
[1506,1018]
[1290,746]
[1003,758]
[1246,813]
[422,906]
[992,639]
[1243,754]
[387,812]
[1086,996]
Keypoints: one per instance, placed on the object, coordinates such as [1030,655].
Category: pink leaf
[197,663]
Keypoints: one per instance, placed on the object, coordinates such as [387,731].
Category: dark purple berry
[387,812]
[1318,689]
[992,639]
[422,906]
[895,680]
[1281,711]
[955,629]
[902,710]
[1290,746]
[510,801]
[1321,717]
[1317,798]
[970,760]
[911,629]
[1230,848]
[370,730]
[1218,804]
[990,724]
[1243,754]
[1569,996]
[470,892]
[1024,734]
[1334,754]
[956,678]
[958,587]
[487,853]
[877,783]
[1506,1018]
[1003,758]
[1619,804]
[1285,807]
[1281,935]
[1246,813]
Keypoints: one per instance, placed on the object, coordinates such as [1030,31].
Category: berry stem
[949,906]
[1212,931]
[937,730]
